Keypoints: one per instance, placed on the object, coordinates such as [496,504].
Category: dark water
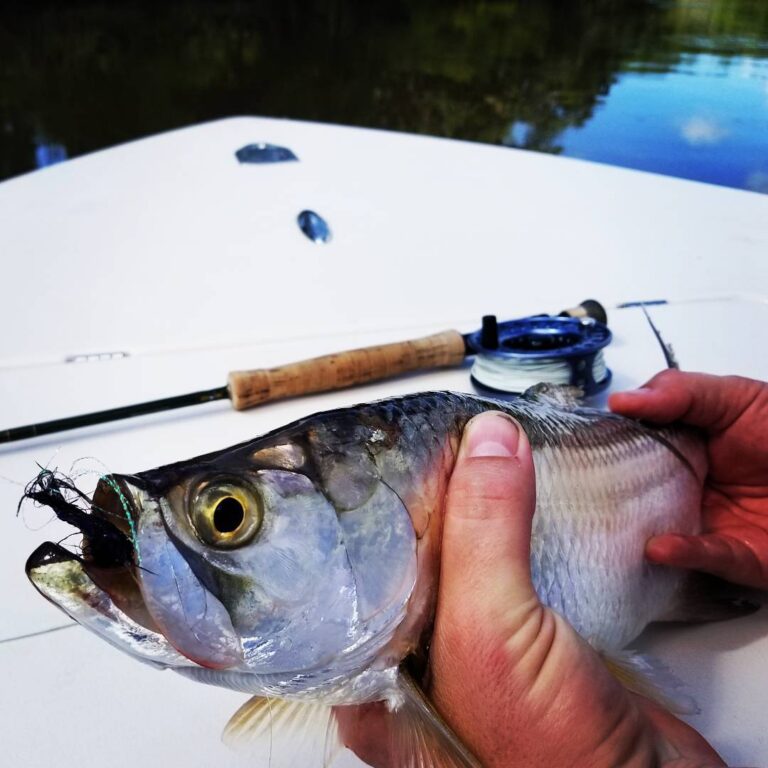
[677,87]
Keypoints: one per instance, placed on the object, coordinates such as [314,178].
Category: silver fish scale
[589,535]
[605,484]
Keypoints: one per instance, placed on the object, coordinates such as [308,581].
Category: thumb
[487,647]
[485,573]
[484,570]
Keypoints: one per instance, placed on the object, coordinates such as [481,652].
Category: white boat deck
[169,250]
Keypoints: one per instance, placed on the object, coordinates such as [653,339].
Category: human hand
[733,412]
[513,680]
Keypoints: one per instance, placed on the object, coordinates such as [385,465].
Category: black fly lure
[104,545]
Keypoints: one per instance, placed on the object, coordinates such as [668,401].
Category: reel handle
[345,369]
[588,308]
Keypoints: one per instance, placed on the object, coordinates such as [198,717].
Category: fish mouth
[107,524]
[65,580]
[98,588]
[130,583]
[118,583]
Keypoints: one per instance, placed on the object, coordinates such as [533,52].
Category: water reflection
[706,119]
[47,153]
[674,87]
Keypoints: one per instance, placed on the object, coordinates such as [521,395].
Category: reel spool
[515,355]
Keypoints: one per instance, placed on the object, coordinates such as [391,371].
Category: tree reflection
[90,75]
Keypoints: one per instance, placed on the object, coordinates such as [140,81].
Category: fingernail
[491,434]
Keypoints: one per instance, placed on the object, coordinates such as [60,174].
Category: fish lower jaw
[73,586]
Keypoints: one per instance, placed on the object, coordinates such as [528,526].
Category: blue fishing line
[129,517]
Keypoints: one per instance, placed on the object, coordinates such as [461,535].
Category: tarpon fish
[302,566]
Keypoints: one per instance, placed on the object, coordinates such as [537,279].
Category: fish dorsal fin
[661,435]
[666,347]
[420,738]
[559,395]
[651,678]
[284,734]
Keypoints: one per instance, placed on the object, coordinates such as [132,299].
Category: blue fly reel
[517,354]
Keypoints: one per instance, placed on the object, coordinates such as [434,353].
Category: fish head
[282,556]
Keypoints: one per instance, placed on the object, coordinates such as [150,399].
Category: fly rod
[246,389]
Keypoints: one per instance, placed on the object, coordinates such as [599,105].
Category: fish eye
[226,514]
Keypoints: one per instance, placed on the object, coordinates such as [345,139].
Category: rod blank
[112,414]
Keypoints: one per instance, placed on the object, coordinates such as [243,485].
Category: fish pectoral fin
[284,733]
[649,677]
[419,737]
[288,733]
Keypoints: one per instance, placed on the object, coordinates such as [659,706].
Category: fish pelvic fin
[283,734]
[651,678]
[706,598]
[406,731]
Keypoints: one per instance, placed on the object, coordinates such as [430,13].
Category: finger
[485,564]
[488,615]
[699,399]
[718,554]
[365,729]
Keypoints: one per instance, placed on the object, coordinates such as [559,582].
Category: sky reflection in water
[706,120]
[678,87]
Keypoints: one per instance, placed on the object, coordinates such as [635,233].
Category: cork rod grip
[344,369]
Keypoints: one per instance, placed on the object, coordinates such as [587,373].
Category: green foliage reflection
[90,75]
